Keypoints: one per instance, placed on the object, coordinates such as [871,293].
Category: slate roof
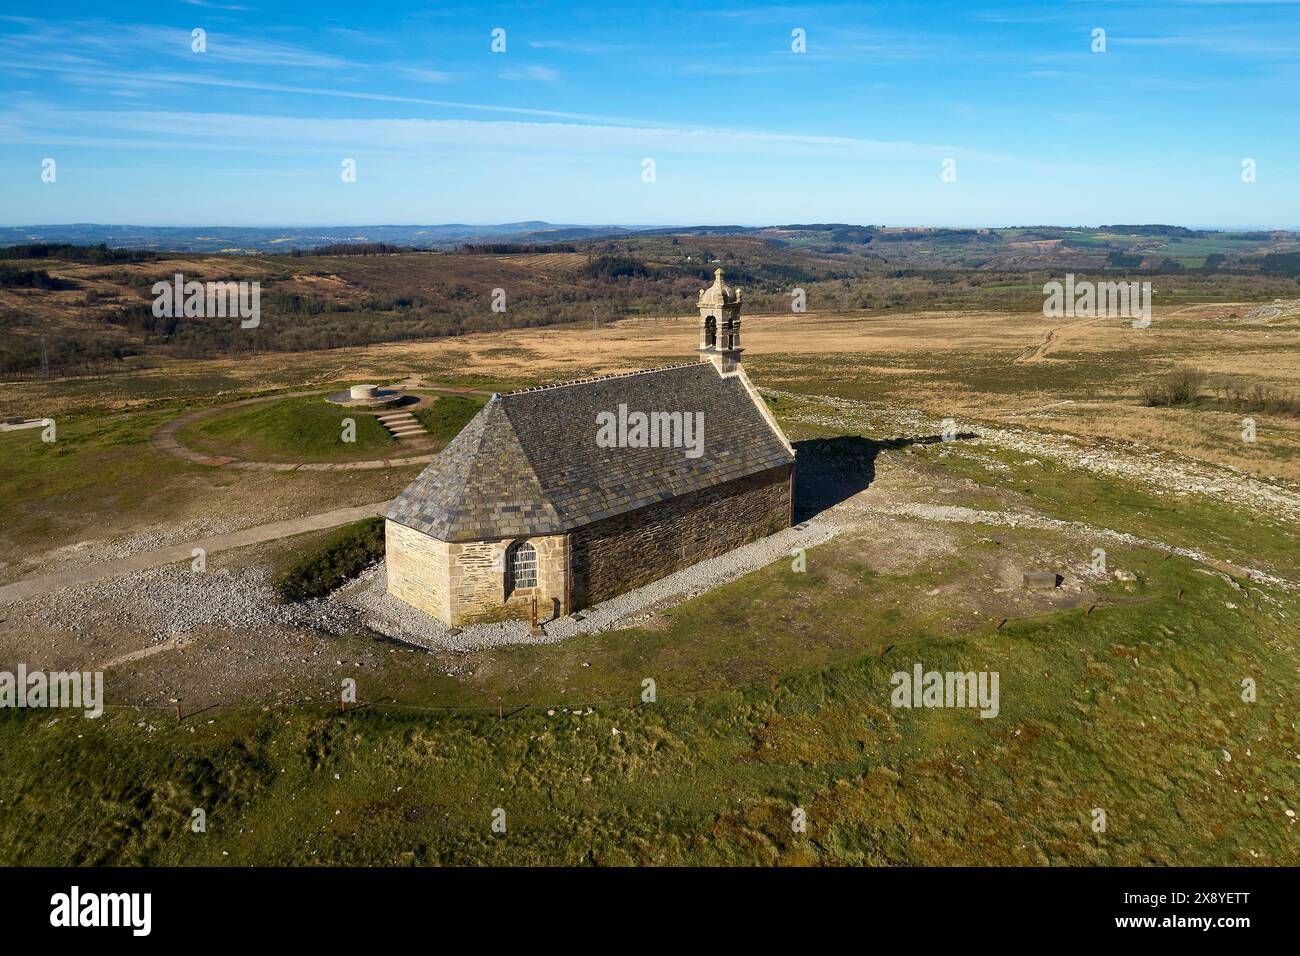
[528,462]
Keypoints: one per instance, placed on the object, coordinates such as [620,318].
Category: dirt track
[44,584]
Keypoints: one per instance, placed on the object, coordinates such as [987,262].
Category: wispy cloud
[540,74]
[105,40]
[214,6]
[246,132]
[194,79]
[426,75]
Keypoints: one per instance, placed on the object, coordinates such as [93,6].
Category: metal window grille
[522,567]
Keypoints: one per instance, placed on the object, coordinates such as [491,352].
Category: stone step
[401,425]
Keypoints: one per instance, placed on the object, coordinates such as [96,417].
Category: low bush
[1182,386]
[341,556]
[1258,398]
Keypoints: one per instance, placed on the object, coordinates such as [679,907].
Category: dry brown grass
[1086,379]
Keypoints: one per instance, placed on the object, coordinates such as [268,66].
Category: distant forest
[66,252]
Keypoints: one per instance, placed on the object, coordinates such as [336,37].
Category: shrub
[1182,386]
[14,278]
[1258,398]
[343,555]
[614,267]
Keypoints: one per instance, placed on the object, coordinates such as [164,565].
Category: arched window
[521,567]
[710,332]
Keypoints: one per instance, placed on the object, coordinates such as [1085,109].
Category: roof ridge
[473,445]
[600,378]
[528,459]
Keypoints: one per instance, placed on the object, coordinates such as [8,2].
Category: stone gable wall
[417,569]
[626,551]
[478,580]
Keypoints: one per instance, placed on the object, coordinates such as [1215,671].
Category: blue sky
[741,128]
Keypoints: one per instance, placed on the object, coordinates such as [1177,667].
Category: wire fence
[503,711]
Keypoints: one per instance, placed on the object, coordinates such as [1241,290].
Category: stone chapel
[576,492]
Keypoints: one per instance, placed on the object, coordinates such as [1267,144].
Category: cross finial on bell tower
[719,307]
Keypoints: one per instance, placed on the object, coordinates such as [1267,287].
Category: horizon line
[639,226]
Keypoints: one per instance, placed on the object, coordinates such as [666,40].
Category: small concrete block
[1041,580]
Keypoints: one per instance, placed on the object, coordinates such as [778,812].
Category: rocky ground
[1163,473]
[97,551]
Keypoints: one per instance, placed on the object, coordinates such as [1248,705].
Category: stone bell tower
[719,306]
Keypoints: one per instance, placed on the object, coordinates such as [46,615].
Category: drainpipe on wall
[568,574]
[789,515]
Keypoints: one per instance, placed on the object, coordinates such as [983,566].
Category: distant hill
[1146,246]
[261,239]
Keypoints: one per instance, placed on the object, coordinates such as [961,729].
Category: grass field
[102,481]
[1134,707]
[448,415]
[305,428]
[343,554]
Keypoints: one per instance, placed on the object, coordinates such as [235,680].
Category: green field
[1124,697]
[1130,709]
[100,464]
[1135,708]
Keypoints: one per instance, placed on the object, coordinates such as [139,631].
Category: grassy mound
[342,555]
[288,430]
[448,415]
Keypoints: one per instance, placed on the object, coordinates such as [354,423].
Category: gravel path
[384,614]
[169,602]
[1009,519]
[172,554]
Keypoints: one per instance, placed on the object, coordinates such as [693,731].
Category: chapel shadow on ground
[831,470]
